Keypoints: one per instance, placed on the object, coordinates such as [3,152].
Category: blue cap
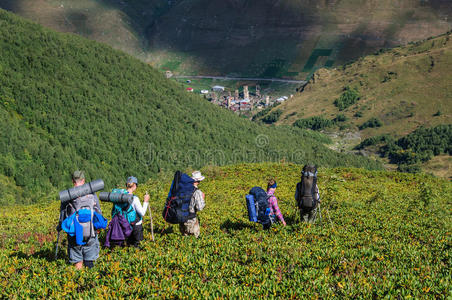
[273,186]
[132,179]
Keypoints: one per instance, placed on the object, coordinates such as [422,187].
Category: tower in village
[246,93]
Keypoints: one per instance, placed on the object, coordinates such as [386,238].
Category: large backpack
[125,209]
[257,204]
[83,207]
[307,189]
[176,210]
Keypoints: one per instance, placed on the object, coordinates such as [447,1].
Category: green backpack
[125,209]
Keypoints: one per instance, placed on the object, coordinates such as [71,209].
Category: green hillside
[391,92]
[68,103]
[383,235]
[264,38]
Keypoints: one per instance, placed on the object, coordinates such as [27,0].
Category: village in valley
[239,101]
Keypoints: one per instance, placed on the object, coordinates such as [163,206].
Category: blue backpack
[176,210]
[257,205]
[125,209]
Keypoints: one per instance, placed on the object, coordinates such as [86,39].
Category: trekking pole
[57,243]
[329,218]
[152,223]
[320,214]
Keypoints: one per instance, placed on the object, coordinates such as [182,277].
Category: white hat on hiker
[196,176]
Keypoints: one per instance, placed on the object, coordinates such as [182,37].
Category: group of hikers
[81,216]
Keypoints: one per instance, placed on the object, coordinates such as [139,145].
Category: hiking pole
[320,214]
[57,243]
[329,218]
[152,223]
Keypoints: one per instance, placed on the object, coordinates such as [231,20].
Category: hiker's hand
[146,198]
[284,223]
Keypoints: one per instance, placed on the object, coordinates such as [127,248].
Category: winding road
[244,79]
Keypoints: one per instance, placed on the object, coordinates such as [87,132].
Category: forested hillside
[69,103]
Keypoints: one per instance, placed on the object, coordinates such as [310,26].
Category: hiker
[275,212]
[307,194]
[85,252]
[197,203]
[137,227]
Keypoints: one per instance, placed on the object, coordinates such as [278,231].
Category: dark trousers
[137,235]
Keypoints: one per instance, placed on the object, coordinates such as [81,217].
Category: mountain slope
[68,103]
[404,87]
[243,37]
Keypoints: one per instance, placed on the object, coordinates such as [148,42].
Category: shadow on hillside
[161,230]
[292,219]
[47,254]
[230,226]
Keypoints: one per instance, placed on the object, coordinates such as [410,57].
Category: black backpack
[176,210]
[261,202]
[307,189]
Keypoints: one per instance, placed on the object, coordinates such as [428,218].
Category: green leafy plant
[349,97]
[383,234]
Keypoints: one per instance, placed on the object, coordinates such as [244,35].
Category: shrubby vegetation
[340,118]
[375,140]
[383,235]
[319,122]
[265,111]
[272,117]
[68,103]
[349,97]
[417,147]
[314,123]
[371,123]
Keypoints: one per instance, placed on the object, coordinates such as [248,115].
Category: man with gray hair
[87,253]
[197,203]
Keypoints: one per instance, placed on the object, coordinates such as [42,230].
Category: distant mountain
[263,38]
[68,103]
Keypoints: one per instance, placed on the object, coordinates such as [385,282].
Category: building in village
[240,102]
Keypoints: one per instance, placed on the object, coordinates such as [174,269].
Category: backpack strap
[314,185]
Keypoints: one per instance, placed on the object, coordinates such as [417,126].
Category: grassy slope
[69,103]
[404,87]
[418,88]
[384,234]
[258,38]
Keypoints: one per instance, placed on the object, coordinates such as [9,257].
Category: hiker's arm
[317,195]
[141,210]
[277,211]
[199,200]
[97,205]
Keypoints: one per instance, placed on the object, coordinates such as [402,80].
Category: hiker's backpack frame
[76,206]
[125,209]
[307,189]
[260,213]
[176,210]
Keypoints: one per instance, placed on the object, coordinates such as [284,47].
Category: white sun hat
[196,176]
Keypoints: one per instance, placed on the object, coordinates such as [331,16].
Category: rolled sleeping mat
[83,190]
[116,197]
